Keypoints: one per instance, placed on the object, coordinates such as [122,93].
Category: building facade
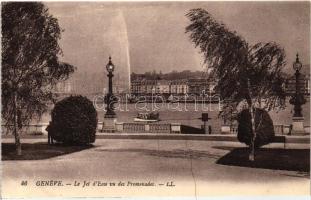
[177,87]
[198,86]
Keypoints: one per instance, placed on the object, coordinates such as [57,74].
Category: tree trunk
[251,108]
[16,129]
[252,146]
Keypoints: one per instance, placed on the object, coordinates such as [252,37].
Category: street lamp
[110,97]
[297,100]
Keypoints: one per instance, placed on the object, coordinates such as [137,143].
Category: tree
[30,64]
[74,121]
[264,127]
[245,73]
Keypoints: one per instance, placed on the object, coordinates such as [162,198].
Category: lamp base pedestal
[297,126]
[109,124]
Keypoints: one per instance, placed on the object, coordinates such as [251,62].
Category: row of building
[144,86]
[181,86]
[198,86]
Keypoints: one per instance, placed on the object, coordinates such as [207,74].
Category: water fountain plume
[124,42]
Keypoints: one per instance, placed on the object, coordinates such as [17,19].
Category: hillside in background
[187,74]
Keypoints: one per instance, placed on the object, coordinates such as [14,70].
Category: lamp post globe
[297,64]
[110,66]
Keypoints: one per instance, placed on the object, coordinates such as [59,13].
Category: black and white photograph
[162,99]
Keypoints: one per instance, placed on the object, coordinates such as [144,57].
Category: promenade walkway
[196,167]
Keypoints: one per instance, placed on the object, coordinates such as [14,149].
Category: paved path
[191,165]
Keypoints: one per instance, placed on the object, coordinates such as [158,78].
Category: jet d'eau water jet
[117,45]
[127,48]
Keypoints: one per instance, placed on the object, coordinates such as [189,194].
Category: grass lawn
[38,151]
[267,158]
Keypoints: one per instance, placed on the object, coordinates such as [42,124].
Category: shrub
[263,124]
[74,121]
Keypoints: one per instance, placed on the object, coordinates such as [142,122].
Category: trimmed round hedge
[264,126]
[74,121]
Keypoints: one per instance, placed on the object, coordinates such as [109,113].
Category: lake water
[189,114]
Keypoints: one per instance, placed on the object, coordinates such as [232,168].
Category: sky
[147,36]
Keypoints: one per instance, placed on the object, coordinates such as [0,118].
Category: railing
[39,128]
[133,127]
[160,128]
[26,129]
[233,129]
[119,127]
[147,128]
[279,129]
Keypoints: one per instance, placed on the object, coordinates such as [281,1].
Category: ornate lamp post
[109,98]
[297,100]
[110,115]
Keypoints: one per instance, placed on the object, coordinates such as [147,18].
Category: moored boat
[147,117]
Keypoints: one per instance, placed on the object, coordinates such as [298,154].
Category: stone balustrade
[28,129]
[147,128]
[279,129]
[121,127]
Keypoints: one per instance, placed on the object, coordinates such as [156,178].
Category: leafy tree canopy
[30,63]
[244,72]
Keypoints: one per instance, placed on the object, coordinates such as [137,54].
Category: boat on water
[147,117]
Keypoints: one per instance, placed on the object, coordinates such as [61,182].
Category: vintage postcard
[155,99]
